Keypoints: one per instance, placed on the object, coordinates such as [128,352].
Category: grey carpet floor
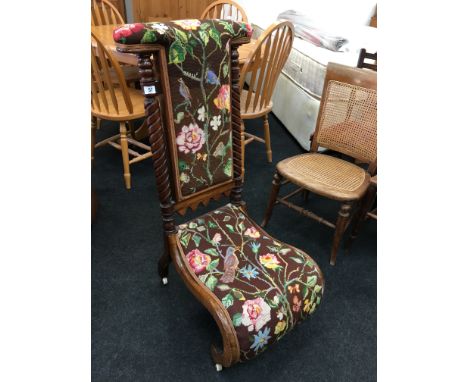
[142,331]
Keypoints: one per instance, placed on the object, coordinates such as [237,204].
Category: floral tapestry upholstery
[266,286]
[198,53]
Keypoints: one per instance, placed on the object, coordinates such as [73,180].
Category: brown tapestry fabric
[199,69]
[266,286]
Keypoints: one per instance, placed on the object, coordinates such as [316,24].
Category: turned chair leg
[273,195]
[93,136]
[341,223]
[163,264]
[125,159]
[266,128]
[243,148]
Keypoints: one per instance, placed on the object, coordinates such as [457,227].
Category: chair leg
[163,263]
[243,148]
[305,195]
[125,159]
[273,195]
[93,137]
[366,205]
[341,223]
[266,128]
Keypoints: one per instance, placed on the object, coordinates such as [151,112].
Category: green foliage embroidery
[181,36]
[177,52]
[178,119]
[297,260]
[211,251]
[230,228]
[196,239]
[215,35]
[237,319]
[311,280]
[228,167]
[211,282]
[223,287]
[227,26]
[148,37]
[228,300]
[204,36]
[212,265]
[184,240]
[225,70]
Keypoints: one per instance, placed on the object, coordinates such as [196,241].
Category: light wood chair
[225,9]
[264,65]
[346,124]
[105,13]
[113,100]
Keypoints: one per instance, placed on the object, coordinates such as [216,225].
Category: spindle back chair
[104,13]
[225,10]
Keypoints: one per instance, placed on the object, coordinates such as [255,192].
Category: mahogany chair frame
[112,99]
[363,56]
[264,63]
[104,13]
[155,84]
[218,10]
[352,76]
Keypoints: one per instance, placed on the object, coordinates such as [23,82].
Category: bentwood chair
[225,10]
[113,100]
[346,124]
[261,70]
[104,13]
[255,287]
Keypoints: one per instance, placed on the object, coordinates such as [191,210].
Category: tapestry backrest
[199,131]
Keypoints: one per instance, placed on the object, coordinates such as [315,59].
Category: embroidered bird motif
[231,262]
[212,78]
[184,91]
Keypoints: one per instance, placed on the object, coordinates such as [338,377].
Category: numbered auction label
[149,89]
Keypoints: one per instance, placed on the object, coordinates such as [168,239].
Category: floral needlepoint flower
[270,261]
[294,288]
[212,78]
[216,238]
[261,339]
[184,178]
[281,313]
[309,307]
[215,122]
[276,299]
[191,138]
[202,114]
[296,304]
[280,326]
[198,260]
[160,28]
[223,100]
[249,272]
[190,24]
[127,30]
[255,247]
[255,314]
[252,232]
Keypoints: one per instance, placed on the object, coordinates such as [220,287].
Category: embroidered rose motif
[198,260]
[269,261]
[191,138]
[255,314]
[127,30]
[249,29]
[252,232]
[190,24]
[223,100]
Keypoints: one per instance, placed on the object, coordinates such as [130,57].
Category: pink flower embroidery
[255,314]
[198,260]
[249,29]
[191,138]
[296,304]
[270,261]
[127,30]
[190,24]
[223,100]
[216,238]
[252,232]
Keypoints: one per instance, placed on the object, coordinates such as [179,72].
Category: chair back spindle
[104,13]
[226,10]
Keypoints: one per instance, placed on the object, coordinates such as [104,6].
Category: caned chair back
[104,13]
[109,91]
[226,10]
[347,120]
[264,64]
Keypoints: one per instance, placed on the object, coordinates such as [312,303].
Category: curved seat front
[266,286]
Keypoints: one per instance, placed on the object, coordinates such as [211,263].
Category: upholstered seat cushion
[325,175]
[266,286]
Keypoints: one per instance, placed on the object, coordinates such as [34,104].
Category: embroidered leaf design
[223,287]
[284,251]
[200,221]
[189,49]
[196,239]
[179,118]
[241,226]
[228,167]
[305,291]
[296,259]
[311,280]
[225,70]
[238,294]
[212,265]
[204,36]
[317,288]
[211,282]
[211,251]
[185,239]
[201,229]
[226,218]
[318,300]
[148,37]
[192,225]
[204,26]
[215,35]
[230,228]
[203,277]
[181,36]
[177,53]
[228,300]
[227,26]
[237,319]
[273,249]
[220,150]
[211,224]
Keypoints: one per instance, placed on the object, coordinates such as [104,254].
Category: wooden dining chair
[346,124]
[262,69]
[104,13]
[256,288]
[225,10]
[113,100]
[367,60]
